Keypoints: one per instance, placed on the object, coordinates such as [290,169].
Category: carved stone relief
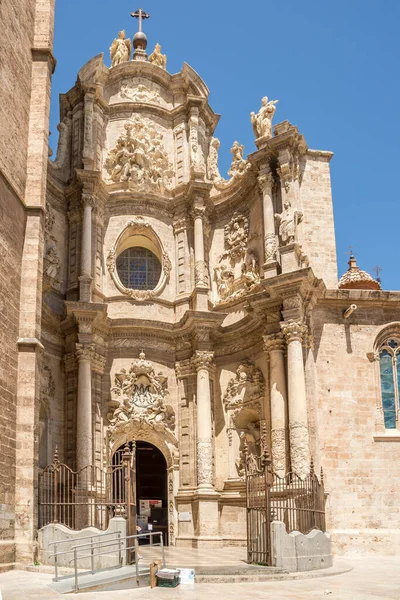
[139,158]
[139,395]
[141,93]
[52,261]
[237,271]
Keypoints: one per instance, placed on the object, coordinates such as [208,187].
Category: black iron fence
[88,497]
[297,502]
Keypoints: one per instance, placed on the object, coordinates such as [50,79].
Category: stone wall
[318,238]
[17,22]
[360,461]
[12,225]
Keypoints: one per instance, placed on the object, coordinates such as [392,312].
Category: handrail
[117,535]
[87,537]
[118,541]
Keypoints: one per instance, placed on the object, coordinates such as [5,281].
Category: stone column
[274,344]
[202,362]
[298,422]
[84,418]
[86,248]
[207,525]
[270,241]
[201,274]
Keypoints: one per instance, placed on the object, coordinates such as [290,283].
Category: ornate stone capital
[98,363]
[179,225]
[88,200]
[183,368]
[198,212]
[70,362]
[294,330]
[266,183]
[84,352]
[203,359]
[274,341]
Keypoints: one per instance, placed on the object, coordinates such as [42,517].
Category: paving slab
[370,579]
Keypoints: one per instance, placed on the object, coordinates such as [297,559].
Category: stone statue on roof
[120,50]
[157,58]
[262,121]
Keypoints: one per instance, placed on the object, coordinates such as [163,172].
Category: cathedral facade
[166,305]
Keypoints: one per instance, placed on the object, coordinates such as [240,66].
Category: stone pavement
[370,579]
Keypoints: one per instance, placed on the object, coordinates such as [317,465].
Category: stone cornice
[380,297]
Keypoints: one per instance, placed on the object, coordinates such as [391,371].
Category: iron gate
[298,502]
[89,497]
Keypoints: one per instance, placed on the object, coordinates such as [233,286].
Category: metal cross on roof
[377,271]
[140,15]
[351,251]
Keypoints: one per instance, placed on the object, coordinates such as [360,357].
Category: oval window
[138,268]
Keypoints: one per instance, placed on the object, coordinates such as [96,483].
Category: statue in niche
[138,395]
[139,157]
[213,173]
[157,58]
[262,121]
[120,50]
[250,446]
[239,164]
[52,265]
[224,277]
[288,220]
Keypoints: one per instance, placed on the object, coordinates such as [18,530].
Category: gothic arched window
[389,362]
[138,268]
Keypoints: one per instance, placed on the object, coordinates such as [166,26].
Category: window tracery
[389,367]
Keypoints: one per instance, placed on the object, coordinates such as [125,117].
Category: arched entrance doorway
[151,487]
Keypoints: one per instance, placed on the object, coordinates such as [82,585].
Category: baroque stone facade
[167,305]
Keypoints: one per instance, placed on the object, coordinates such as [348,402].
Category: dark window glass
[138,269]
[388,389]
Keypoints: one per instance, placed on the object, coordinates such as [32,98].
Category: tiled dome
[355,279]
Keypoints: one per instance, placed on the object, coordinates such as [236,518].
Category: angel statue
[262,121]
[120,50]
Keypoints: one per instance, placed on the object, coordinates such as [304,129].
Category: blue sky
[334,66]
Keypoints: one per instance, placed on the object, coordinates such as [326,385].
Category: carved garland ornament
[138,226]
[138,395]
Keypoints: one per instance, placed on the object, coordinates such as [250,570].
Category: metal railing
[119,541]
[297,502]
[80,539]
[89,497]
